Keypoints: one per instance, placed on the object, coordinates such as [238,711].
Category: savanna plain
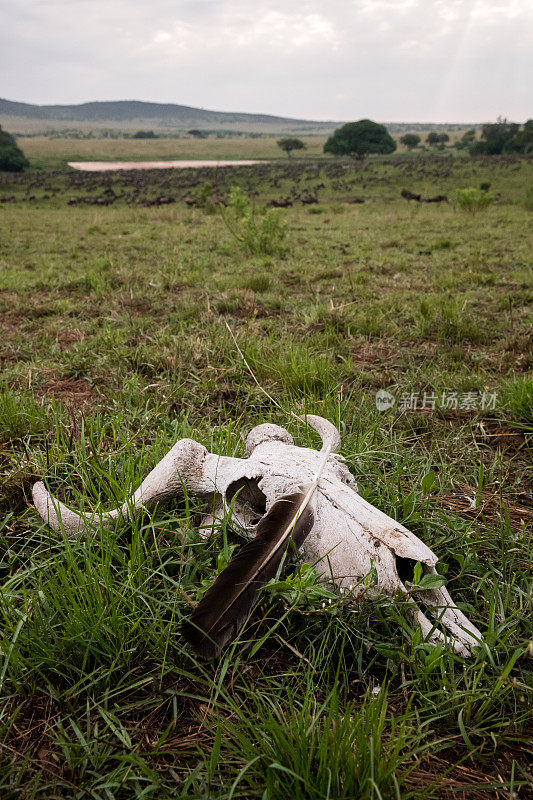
[115,291]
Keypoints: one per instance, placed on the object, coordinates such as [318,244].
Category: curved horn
[326,430]
[186,466]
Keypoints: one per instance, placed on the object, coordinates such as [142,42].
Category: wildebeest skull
[350,537]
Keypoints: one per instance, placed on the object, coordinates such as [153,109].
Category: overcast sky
[391,60]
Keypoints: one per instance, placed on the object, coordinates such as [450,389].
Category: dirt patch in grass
[11,323]
[504,437]
[466,781]
[33,736]
[489,506]
[374,353]
[15,485]
[135,305]
[30,731]
[251,310]
[73,392]
[65,337]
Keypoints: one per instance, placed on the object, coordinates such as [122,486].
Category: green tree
[12,159]
[523,140]
[496,138]
[410,140]
[289,144]
[467,140]
[145,135]
[433,139]
[358,139]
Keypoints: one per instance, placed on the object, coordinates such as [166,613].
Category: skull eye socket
[250,500]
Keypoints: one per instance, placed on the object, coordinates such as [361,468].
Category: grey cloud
[388,59]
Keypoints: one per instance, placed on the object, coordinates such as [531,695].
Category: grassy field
[46,153]
[51,153]
[114,294]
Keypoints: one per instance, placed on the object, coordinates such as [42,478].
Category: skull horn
[326,430]
[186,467]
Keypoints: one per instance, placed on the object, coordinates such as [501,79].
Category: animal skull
[349,538]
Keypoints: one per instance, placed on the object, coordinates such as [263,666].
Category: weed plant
[259,233]
[473,199]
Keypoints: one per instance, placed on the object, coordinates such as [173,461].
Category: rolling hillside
[133,114]
[169,118]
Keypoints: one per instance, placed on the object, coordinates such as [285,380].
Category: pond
[112,166]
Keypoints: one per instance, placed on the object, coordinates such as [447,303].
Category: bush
[289,144]
[256,232]
[467,140]
[360,139]
[145,135]
[12,159]
[504,137]
[410,140]
[204,198]
[473,200]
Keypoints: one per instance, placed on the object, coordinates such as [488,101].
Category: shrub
[204,198]
[289,144]
[359,139]
[410,140]
[473,200]
[12,159]
[256,232]
[145,135]
[467,140]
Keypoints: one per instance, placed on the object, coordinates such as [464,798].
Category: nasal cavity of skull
[405,567]
[250,502]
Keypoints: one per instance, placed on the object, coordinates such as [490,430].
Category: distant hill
[131,115]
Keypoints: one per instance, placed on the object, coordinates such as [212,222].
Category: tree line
[496,138]
[356,139]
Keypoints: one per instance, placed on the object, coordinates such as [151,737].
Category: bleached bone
[349,538]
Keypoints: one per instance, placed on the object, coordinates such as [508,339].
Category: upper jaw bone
[464,634]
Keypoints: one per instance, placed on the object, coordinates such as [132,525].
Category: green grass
[54,152]
[49,153]
[113,345]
